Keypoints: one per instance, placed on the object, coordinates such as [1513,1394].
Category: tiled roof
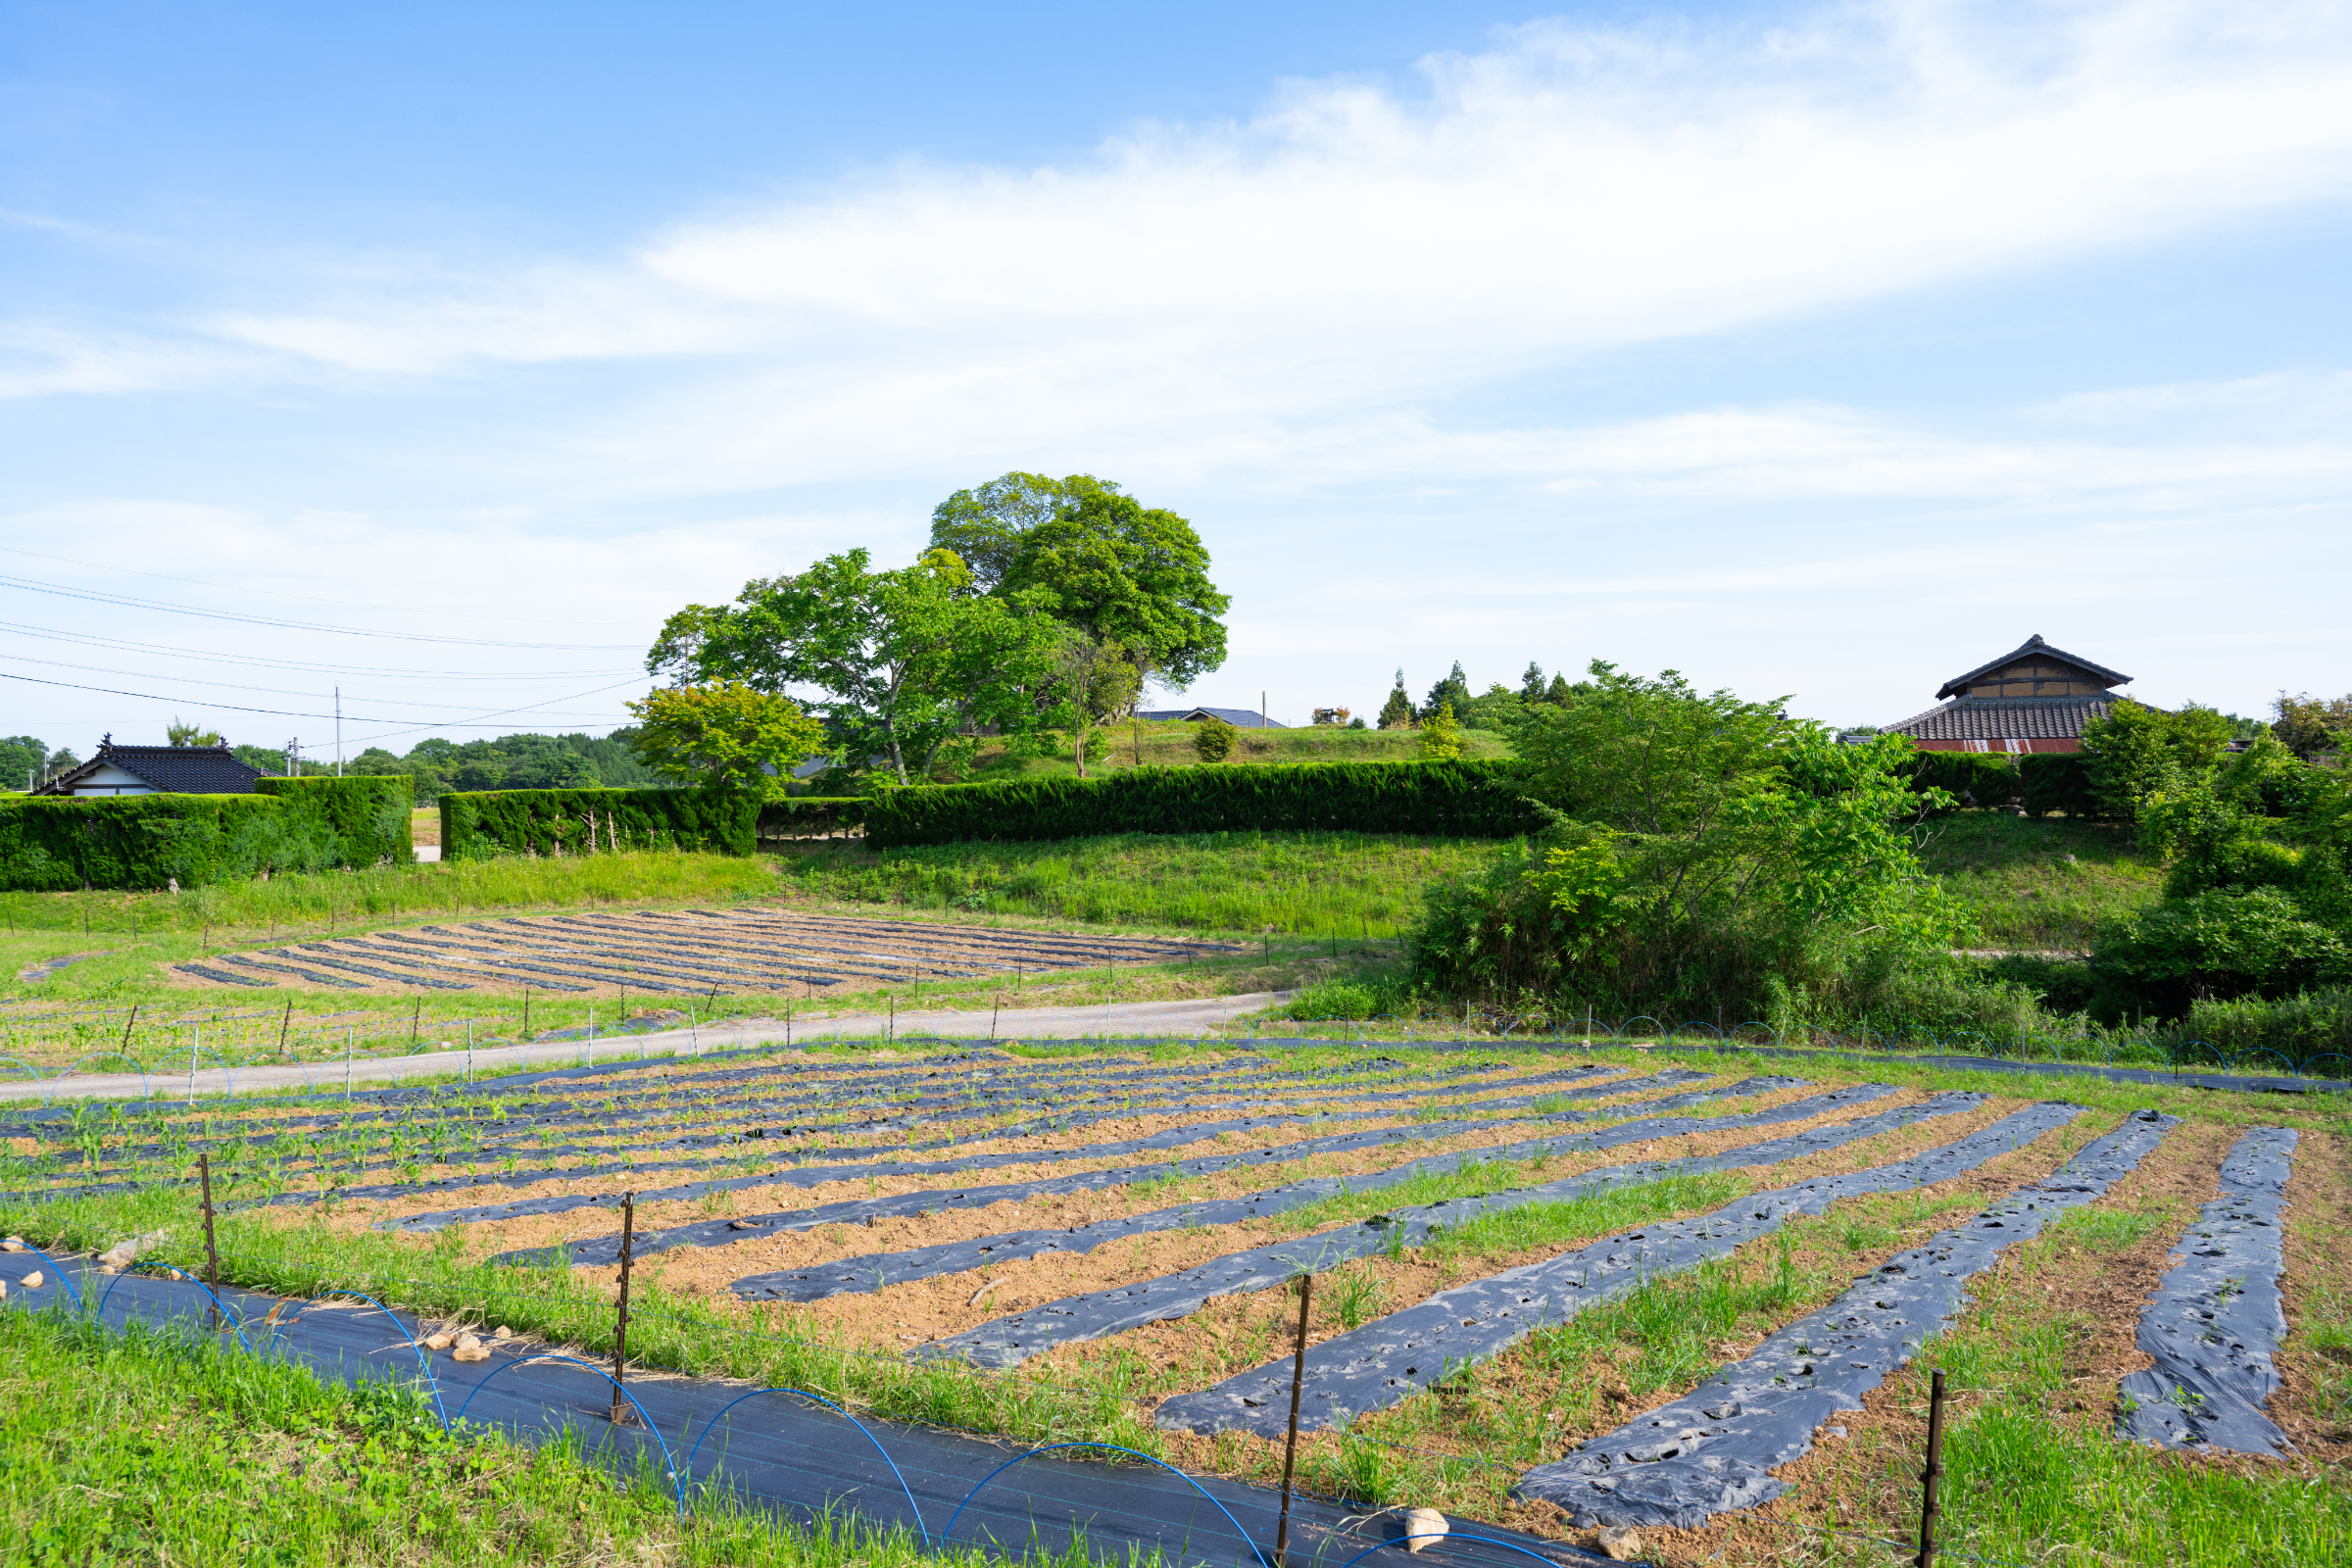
[173,769]
[2034,647]
[1238,718]
[2003,718]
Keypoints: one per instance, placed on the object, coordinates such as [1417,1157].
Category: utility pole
[293,757]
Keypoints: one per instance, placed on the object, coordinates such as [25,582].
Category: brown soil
[2318,1287]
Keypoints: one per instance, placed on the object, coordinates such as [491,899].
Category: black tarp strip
[2217,1320]
[1393,1358]
[1713,1451]
[1010,1340]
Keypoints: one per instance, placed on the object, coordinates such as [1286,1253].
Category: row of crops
[1101,1247]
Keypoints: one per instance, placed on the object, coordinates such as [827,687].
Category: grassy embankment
[2039,886]
[1169,744]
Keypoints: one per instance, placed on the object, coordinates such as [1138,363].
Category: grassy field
[2039,884]
[1169,744]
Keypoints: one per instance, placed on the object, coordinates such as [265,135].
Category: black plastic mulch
[1393,1358]
[1713,1451]
[785,1454]
[2217,1318]
[1016,1337]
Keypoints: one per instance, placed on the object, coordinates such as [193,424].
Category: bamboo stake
[1290,1451]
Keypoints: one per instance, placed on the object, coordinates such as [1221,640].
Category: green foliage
[1453,691]
[2058,784]
[370,818]
[1970,778]
[21,757]
[911,662]
[726,736]
[2310,727]
[566,822]
[1647,756]
[178,734]
[1470,800]
[1213,738]
[1094,682]
[1799,889]
[1397,712]
[53,844]
[511,761]
[2137,753]
[986,529]
[1440,737]
[1119,571]
[2221,943]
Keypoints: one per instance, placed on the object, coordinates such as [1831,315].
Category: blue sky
[1815,350]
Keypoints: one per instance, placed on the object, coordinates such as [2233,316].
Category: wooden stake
[1289,1452]
[1933,1473]
[128,1027]
[204,1172]
[283,1024]
[622,1414]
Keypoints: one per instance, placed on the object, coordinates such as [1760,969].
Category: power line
[277,691]
[124,644]
[281,593]
[281,712]
[124,601]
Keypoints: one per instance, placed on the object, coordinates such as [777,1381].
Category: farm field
[1523,1260]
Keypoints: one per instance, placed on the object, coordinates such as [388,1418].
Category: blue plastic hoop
[948,1534]
[696,1452]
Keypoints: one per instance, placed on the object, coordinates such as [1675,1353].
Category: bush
[1453,799]
[369,815]
[476,826]
[54,844]
[2299,1027]
[2058,783]
[811,816]
[2219,944]
[1975,778]
[1213,741]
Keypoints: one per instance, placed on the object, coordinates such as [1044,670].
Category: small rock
[1422,1526]
[440,1342]
[12,1243]
[468,1342]
[119,1256]
[3,1290]
[501,1331]
[1620,1543]
[476,1352]
[32,1281]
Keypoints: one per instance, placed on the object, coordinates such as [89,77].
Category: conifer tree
[1451,692]
[1397,712]
[1531,685]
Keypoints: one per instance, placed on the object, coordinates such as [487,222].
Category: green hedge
[478,824]
[1977,778]
[811,817]
[1455,800]
[2058,781]
[367,813]
[50,844]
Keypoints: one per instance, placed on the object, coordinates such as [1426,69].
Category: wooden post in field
[1933,1473]
[622,1415]
[1289,1452]
[211,1253]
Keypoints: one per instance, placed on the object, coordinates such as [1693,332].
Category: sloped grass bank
[2039,884]
[1345,885]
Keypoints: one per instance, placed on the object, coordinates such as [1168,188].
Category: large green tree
[1646,756]
[1110,567]
[724,735]
[911,663]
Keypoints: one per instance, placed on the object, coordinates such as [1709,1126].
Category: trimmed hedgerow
[2058,781]
[478,824]
[808,816]
[1975,778]
[54,845]
[1453,800]
[368,814]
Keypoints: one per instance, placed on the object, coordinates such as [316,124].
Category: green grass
[1350,885]
[2039,884]
[1169,744]
[158,1447]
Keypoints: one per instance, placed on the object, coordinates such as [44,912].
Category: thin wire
[280,712]
[215,657]
[280,690]
[28,585]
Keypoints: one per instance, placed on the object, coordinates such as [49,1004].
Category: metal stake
[1930,1475]
[203,1171]
[622,1414]
[1289,1452]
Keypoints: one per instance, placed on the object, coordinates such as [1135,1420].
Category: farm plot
[1553,1292]
[685,953]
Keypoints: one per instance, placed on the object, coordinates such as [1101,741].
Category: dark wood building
[2034,698]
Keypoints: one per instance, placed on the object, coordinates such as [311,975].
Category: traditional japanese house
[2032,698]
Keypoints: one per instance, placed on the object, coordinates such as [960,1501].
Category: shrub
[1974,778]
[808,816]
[1454,800]
[2058,783]
[475,826]
[2298,1027]
[52,845]
[1213,741]
[369,815]
[2219,943]
[1442,738]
